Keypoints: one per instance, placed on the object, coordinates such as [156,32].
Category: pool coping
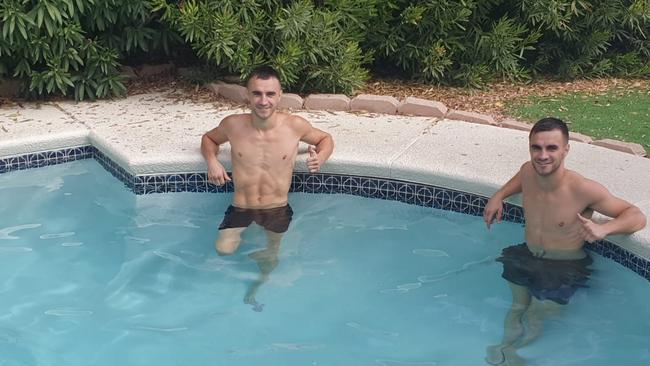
[315,183]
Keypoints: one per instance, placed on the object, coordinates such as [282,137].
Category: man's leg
[228,240]
[267,260]
[537,312]
[513,328]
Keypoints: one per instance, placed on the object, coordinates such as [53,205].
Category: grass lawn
[616,114]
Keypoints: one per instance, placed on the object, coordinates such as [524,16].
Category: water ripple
[463,268]
[430,253]
[4,233]
[57,235]
[298,346]
[372,331]
[163,330]
[68,312]
[384,362]
[15,249]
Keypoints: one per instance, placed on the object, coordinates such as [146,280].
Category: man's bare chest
[557,211]
[259,151]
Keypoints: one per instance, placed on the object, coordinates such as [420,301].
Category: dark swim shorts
[275,219]
[546,279]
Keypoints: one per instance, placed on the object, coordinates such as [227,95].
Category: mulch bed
[492,99]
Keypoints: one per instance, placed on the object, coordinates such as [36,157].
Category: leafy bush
[589,38]
[313,45]
[470,42]
[63,46]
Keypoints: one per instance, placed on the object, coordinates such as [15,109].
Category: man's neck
[264,124]
[551,182]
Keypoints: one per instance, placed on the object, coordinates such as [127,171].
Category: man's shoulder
[291,118]
[294,121]
[236,117]
[588,189]
[526,168]
[234,120]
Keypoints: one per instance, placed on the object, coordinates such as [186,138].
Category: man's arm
[323,142]
[626,218]
[210,149]
[494,206]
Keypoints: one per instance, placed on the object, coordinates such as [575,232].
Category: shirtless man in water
[264,145]
[551,265]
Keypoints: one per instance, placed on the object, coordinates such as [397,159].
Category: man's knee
[224,252]
[226,247]
[518,308]
[228,241]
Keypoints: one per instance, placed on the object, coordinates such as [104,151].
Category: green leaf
[21,28]
[55,14]
[70,5]
[39,16]
[80,5]
[50,85]
[79,92]
[49,26]
[12,24]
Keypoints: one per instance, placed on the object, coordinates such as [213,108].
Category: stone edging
[409,106]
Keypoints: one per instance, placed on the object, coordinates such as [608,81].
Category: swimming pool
[95,275]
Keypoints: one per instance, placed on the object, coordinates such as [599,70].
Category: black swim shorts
[546,279]
[275,219]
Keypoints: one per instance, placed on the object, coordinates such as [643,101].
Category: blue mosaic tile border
[378,188]
[628,259]
[387,189]
[44,158]
[116,170]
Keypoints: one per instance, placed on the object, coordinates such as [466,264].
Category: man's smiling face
[264,95]
[547,151]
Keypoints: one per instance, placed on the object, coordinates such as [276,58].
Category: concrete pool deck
[160,133]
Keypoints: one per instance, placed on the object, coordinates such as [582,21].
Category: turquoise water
[91,274]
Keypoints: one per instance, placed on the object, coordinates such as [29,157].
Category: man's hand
[217,174]
[313,162]
[590,231]
[493,208]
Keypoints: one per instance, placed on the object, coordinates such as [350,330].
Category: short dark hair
[550,124]
[263,72]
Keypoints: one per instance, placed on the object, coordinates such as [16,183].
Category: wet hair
[550,124]
[263,72]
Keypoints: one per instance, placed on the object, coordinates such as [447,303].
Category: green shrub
[589,37]
[73,46]
[470,42]
[313,45]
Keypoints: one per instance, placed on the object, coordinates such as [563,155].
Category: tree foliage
[74,46]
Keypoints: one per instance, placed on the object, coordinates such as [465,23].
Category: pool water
[91,274]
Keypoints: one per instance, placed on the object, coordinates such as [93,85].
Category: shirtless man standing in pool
[551,265]
[264,145]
